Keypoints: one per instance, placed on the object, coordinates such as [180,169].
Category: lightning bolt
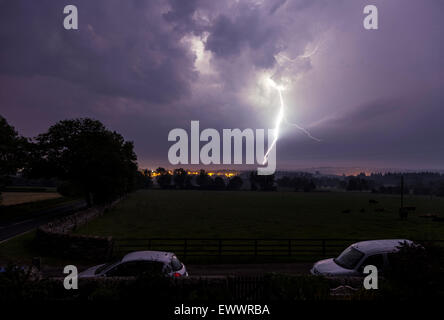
[280,118]
[281,113]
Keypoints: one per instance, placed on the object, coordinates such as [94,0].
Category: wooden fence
[302,249]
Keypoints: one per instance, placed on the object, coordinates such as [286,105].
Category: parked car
[138,263]
[351,261]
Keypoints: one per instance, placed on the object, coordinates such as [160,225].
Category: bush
[21,284]
[416,272]
[17,285]
[296,287]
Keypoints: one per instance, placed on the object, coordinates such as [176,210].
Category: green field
[245,214]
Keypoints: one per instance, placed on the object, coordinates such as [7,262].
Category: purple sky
[375,98]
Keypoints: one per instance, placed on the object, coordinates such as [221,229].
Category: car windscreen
[349,258]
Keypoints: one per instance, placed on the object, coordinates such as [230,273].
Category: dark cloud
[145,67]
[248,28]
[181,15]
[121,49]
[399,132]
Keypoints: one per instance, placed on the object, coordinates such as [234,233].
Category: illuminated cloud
[144,67]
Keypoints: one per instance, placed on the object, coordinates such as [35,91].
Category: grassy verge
[19,249]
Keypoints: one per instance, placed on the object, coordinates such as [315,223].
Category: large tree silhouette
[98,162]
[13,151]
[163,178]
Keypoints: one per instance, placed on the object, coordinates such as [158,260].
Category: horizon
[335,171]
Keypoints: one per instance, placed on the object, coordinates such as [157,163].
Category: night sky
[374,98]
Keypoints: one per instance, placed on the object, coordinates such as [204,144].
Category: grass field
[244,214]
[13,198]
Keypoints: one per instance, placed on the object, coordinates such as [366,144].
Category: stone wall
[74,246]
[56,238]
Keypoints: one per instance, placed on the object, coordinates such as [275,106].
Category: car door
[152,268]
[376,260]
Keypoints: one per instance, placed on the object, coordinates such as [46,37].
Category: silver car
[351,261]
[140,262]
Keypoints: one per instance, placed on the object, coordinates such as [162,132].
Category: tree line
[181,179]
[419,183]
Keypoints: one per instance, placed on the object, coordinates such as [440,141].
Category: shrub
[296,287]
[416,272]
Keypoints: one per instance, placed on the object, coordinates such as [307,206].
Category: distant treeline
[181,179]
[422,183]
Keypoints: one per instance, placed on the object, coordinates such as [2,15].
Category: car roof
[159,256]
[379,246]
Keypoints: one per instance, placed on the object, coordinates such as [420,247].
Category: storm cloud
[146,67]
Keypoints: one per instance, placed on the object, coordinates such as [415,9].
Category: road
[11,230]
[248,269]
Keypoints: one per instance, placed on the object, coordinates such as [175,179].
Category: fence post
[220,247]
[255,247]
[323,248]
[289,247]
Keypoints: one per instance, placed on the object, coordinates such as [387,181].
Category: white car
[352,260]
[137,263]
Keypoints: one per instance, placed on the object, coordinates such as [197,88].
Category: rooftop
[160,256]
[379,246]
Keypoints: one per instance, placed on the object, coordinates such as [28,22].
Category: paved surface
[10,230]
[248,269]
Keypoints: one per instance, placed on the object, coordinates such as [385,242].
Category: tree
[219,183]
[83,152]
[235,183]
[416,271]
[13,151]
[144,180]
[182,179]
[203,180]
[303,183]
[440,189]
[284,182]
[253,185]
[265,182]
[357,184]
[163,178]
